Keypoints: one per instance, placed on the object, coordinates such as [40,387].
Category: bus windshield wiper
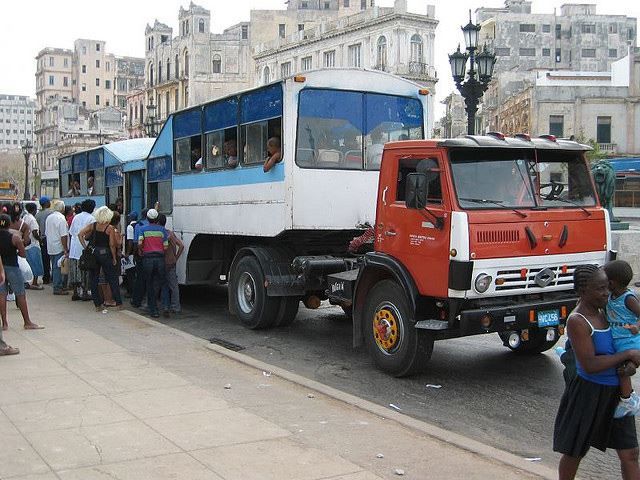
[494,202]
[575,204]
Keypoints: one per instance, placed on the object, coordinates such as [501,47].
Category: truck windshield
[488,178]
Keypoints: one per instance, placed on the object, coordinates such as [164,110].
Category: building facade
[80,93]
[599,106]
[17,121]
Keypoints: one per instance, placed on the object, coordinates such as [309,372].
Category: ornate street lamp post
[151,119]
[477,81]
[26,150]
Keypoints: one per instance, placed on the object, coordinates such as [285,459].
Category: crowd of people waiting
[87,252]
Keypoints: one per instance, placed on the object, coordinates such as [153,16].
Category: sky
[27,26]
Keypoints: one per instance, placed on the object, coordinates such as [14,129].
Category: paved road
[487,392]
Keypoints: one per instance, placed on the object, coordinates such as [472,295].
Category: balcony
[608,148]
[418,71]
[383,67]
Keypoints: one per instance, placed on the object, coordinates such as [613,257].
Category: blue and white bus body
[314,200]
[106,164]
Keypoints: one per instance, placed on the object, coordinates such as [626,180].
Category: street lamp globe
[151,119]
[486,62]
[458,62]
[471,33]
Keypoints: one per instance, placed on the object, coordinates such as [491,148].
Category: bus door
[135,191]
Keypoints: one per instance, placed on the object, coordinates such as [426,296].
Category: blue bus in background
[101,173]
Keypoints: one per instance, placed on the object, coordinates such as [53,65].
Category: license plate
[548,318]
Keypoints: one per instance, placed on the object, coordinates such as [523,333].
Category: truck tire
[537,343]
[396,346]
[255,309]
[287,311]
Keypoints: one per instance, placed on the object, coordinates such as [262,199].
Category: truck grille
[525,278]
[498,236]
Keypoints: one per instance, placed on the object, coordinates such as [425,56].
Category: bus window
[261,119]
[222,149]
[389,118]
[95,173]
[188,152]
[113,184]
[330,129]
[159,183]
[187,131]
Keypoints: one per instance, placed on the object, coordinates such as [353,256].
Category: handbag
[88,261]
[25,268]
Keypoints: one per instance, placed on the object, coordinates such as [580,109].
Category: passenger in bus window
[74,191]
[374,151]
[231,152]
[196,158]
[90,188]
[273,152]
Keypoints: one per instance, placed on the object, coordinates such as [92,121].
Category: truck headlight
[483,281]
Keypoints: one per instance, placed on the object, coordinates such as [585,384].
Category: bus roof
[130,150]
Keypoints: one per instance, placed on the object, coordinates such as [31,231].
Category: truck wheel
[287,311]
[254,308]
[537,343]
[396,346]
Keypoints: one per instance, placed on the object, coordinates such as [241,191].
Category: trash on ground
[227,386]
[266,374]
[77,340]
[398,471]
[379,455]
[323,422]
[310,395]
[533,459]
[263,385]
[433,385]
[395,407]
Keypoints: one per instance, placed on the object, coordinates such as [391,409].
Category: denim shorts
[13,279]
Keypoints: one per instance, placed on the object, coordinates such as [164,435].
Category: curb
[445,436]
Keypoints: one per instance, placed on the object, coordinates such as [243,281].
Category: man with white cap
[153,240]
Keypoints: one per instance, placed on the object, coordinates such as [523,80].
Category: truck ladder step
[432,324]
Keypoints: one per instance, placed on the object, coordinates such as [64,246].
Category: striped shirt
[153,239]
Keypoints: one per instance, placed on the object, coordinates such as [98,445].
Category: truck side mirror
[417,190]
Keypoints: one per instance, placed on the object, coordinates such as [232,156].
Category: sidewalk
[97,396]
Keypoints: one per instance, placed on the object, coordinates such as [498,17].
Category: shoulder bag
[88,260]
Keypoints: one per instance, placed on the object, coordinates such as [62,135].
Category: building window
[65,81]
[151,75]
[245,32]
[558,55]
[588,53]
[381,61]
[84,50]
[107,103]
[304,5]
[285,69]
[97,63]
[329,59]
[176,99]
[266,75]
[556,125]
[51,79]
[107,84]
[416,48]
[51,61]
[97,82]
[546,28]
[177,67]
[84,69]
[167,103]
[630,34]
[613,28]
[282,30]
[354,55]
[363,4]
[546,52]
[84,87]
[107,66]
[201,26]
[97,47]
[603,129]
[613,53]
[527,52]
[186,64]
[558,31]
[66,62]
[217,64]
[503,52]
[527,27]
[97,99]
[345,3]
[306,63]
[588,28]
[168,69]
[300,27]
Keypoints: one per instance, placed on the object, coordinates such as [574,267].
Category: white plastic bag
[25,269]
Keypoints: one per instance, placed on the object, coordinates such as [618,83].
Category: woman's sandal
[9,351]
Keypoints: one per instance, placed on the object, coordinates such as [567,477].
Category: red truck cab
[478,234]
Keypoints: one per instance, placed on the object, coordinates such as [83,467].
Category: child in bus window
[231,152]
